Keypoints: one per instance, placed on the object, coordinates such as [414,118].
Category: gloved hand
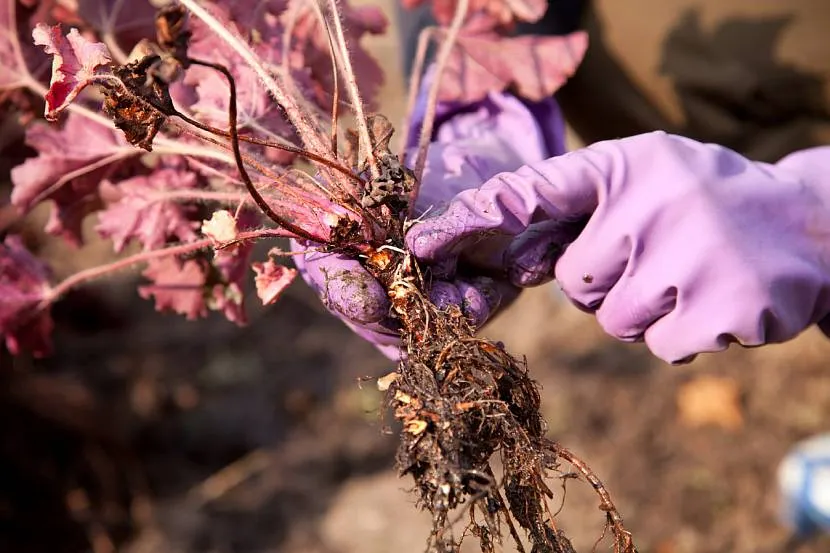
[471,144]
[686,246]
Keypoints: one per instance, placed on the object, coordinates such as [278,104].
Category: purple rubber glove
[471,144]
[687,246]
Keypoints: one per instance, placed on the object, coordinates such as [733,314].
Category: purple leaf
[535,67]
[176,286]
[196,286]
[127,21]
[210,90]
[14,55]
[24,283]
[70,165]
[310,51]
[146,211]
[74,66]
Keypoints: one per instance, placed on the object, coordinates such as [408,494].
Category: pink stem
[201,196]
[95,273]
[414,85]
[432,100]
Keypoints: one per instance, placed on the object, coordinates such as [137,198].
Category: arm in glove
[684,245]
[472,143]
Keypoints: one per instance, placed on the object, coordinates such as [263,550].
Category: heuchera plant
[223,129]
[140,111]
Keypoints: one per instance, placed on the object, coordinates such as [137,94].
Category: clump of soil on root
[462,401]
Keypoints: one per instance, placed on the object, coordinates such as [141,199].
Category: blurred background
[147,433]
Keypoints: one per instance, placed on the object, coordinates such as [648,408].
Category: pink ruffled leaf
[177,286]
[534,67]
[498,12]
[201,284]
[24,284]
[310,50]
[14,73]
[127,22]
[146,211]
[271,278]
[75,65]
[71,163]
[208,92]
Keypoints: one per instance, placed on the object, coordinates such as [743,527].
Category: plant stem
[200,196]
[109,37]
[114,48]
[266,208]
[342,53]
[335,75]
[268,144]
[432,100]
[95,273]
[414,86]
[160,145]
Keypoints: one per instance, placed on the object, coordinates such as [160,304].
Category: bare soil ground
[264,438]
[147,433]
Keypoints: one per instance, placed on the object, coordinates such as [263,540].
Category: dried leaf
[147,211]
[24,283]
[221,227]
[710,400]
[271,279]
[229,269]
[415,427]
[384,382]
[129,104]
[75,65]
[534,67]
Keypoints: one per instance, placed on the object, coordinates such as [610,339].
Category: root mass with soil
[462,401]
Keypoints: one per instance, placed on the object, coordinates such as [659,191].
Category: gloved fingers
[531,258]
[567,188]
[480,298]
[345,287]
[591,265]
[392,352]
[439,239]
[673,340]
[703,325]
[463,164]
[386,342]
[611,243]
[633,305]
